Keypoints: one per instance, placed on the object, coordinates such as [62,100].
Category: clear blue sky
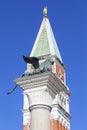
[19,24]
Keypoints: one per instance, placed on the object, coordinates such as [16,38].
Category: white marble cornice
[42,79]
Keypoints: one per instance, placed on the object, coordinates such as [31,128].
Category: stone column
[67,105]
[40,107]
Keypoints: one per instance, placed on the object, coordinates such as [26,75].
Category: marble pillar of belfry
[41,90]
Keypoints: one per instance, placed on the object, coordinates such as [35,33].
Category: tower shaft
[46,95]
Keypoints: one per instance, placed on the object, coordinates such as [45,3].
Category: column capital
[41,95]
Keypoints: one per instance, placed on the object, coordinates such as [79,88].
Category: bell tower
[46,95]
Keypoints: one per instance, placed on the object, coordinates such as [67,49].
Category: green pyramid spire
[45,42]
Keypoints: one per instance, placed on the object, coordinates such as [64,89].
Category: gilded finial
[45,11]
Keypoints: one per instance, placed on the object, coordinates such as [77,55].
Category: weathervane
[45,11]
